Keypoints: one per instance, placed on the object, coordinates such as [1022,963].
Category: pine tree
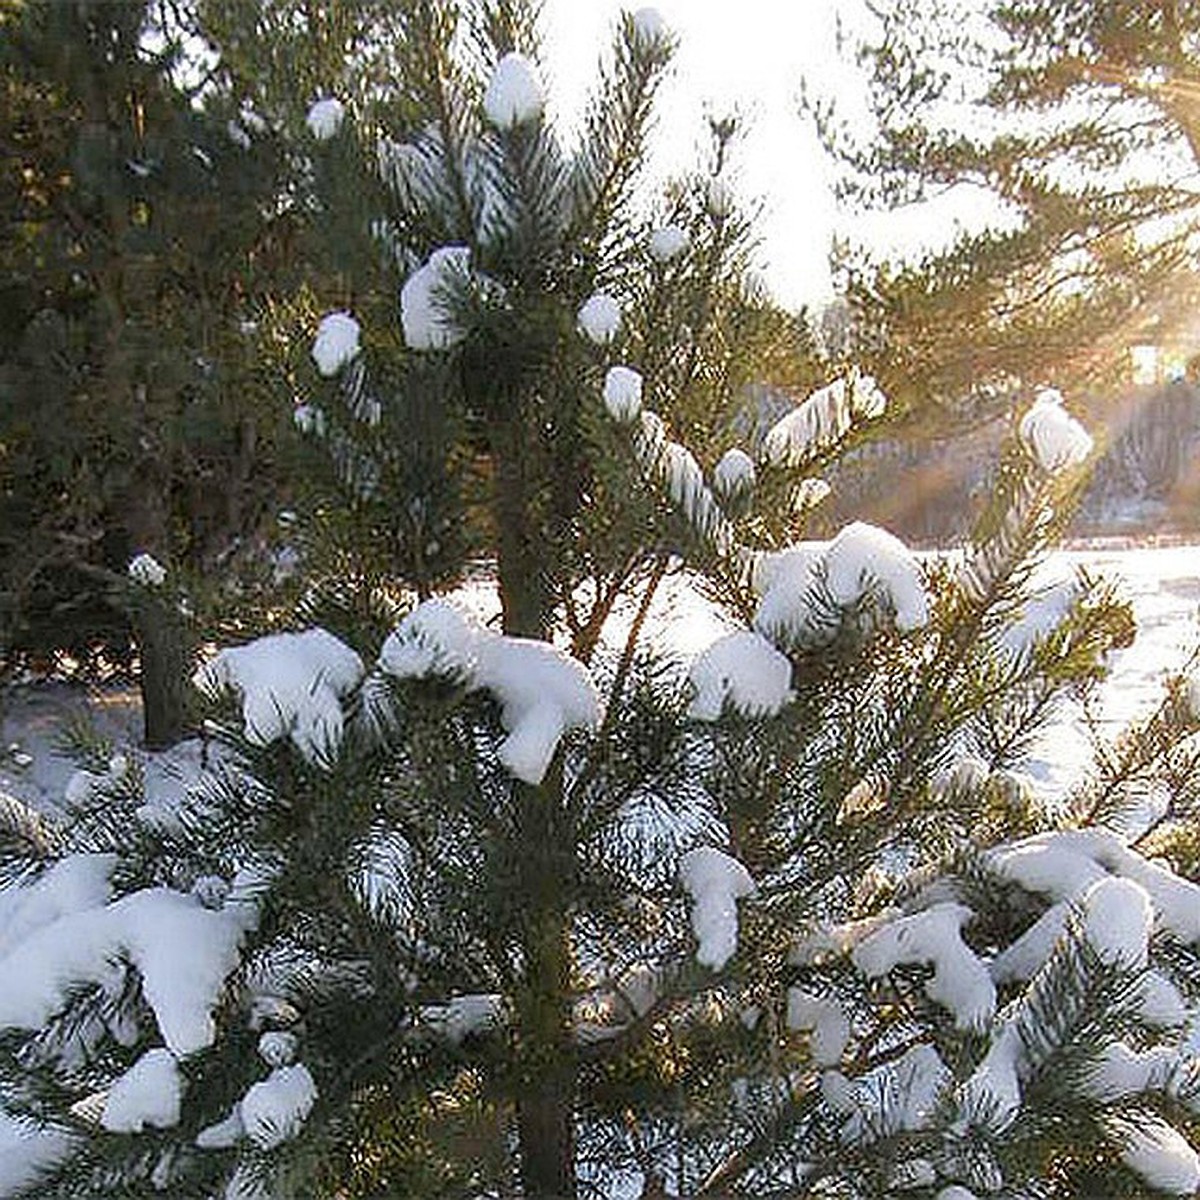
[535,904]
[137,253]
[1070,124]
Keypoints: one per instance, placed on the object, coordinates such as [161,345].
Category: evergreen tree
[1073,125]
[522,907]
[136,254]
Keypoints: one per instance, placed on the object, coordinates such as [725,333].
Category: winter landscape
[497,704]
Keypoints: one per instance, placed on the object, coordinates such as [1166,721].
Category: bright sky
[750,56]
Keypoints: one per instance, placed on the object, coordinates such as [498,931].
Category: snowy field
[1163,584]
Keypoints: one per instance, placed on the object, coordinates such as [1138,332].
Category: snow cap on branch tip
[149,1093]
[734,472]
[325,118]
[650,30]
[1117,919]
[668,242]
[274,1110]
[715,881]
[147,570]
[514,95]
[291,684]
[1161,1156]
[599,318]
[543,692]
[742,670]
[623,393]
[336,342]
[865,559]
[1052,436]
[424,311]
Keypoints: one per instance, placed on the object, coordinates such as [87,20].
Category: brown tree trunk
[163,649]
[546,1069]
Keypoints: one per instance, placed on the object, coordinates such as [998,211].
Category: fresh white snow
[668,242]
[273,1111]
[600,318]
[291,685]
[1055,439]
[325,118]
[147,570]
[514,95]
[424,309]
[744,671]
[149,1093]
[623,393]
[716,882]
[336,342]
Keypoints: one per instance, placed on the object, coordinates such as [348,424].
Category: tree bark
[546,1067]
[163,650]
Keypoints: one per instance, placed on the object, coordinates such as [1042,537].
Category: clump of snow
[716,882]
[273,1111]
[798,585]
[74,884]
[864,559]
[325,118]
[465,1016]
[960,982]
[1120,1072]
[956,1192]
[149,1093]
[1055,439]
[543,692]
[734,473]
[788,582]
[744,671]
[26,1150]
[147,570]
[1063,864]
[1117,917]
[668,242]
[336,342]
[424,314]
[600,318]
[223,1134]
[623,393]
[649,28]
[308,418]
[808,493]
[822,420]
[436,638]
[291,684]
[1161,1156]
[514,95]
[684,478]
[237,135]
[825,1019]
[991,1097]
[277,1048]
[183,951]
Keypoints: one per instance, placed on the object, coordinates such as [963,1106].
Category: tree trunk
[546,1068]
[163,650]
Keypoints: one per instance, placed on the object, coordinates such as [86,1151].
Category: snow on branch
[543,692]
[822,420]
[716,882]
[291,684]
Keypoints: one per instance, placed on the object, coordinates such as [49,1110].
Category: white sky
[750,55]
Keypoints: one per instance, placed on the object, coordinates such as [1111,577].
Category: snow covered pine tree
[539,910]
